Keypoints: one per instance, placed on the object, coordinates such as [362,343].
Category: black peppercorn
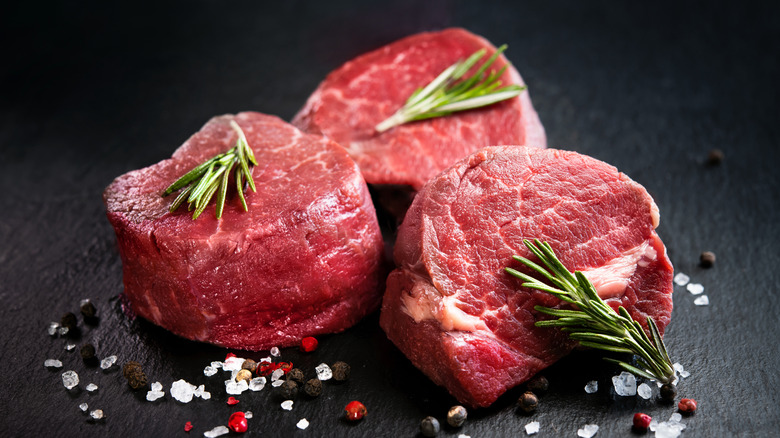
[429,426]
[707,259]
[88,352]
[668,392]
[88,309]
[69,321]
[288,389]
[130,368]
[134,374]
[296,375]
[250,365]
[340,371]
[528,402]
[538,385]
[313,388]
[715,157]
[456,416]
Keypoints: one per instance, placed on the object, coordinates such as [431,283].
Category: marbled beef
[455,313]
[304,260]
[357,96]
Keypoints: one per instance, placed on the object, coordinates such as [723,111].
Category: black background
[91,90]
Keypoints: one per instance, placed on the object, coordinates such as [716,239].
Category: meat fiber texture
[304,260]
[454,312]
[357,96]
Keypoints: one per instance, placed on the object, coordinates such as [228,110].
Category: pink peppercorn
[187,426]
[308,344]
[355,410]
[687,406]
[642,421]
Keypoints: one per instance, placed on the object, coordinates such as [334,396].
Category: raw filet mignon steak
[304,260]
[454,312]
[357,96]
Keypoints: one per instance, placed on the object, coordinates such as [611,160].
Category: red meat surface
[304,260]
[357,96]
[454,312]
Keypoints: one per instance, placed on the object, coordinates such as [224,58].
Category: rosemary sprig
[445,95]
[212,176]
[595,324]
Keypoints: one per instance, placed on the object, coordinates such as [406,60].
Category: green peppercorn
[538,385]
[313,387]
[69,321]
[296,375]
[668,392]
[88,352]
[528,402]
[341,371]
[249,365]
[288,389]
[429,426]
[456,416]
[88,309]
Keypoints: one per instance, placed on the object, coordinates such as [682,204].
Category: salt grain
[248,415]
[588,430]
[702,301]
[463,435]
[157,386]
[216,364]
[695,288]
[625,384]
[287,405]
[182,391]
[215,432]
[277,374]
[70,379]
[52,329]
[108,362]
[323,371]
[592,386]
[678,368]
[265,359]
[83,407]
[97,414]
[668,429]
[154,395]
[62,331]
[91,387]
[201,392]
[277,383]
[209,371]
[675,418]
[532,428]
[681,279]
[236,388]
[233,363]
[52,363]
[70,347]
[257,383]
[645,391]
[275,351]
[303,424]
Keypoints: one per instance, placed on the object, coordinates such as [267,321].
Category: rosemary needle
[595,324]
[446,94]
[212,177]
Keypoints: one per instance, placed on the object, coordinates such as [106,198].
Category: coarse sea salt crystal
[587,430]
[201,392]
[675,418]
[323,371]
[277,374]
[70,347]
[302,424]
[70,379]
[108,362]
[233,363]
[257,384]
[97,414]
[209,371]
[645,391]
[215,432]
[695,288]
[182,391]
[83,407]
[154,395]
[592,386]
[52,363]
[91,387]
[532,428]
[265,359]
[625,384]
[668,429]
[216,364]
[463,435]
[681,279]
[52,328]
[702,301]
[235,388]
[277,383]
[157,386]
[274,351]
[248,415]
[62,331]
[680,370]
[287,405]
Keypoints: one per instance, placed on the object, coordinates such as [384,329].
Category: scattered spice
[285,366]
[687,406]
[237,422]
[130,367]
[429,426]
[232,401]
[69,321]
[715,157]
[266,368]
[313,387]
[297,376]
[355,410]
[135,375]
[528,402]
[707,259]
[88,352]
[668,392]
[250,365]
[538,385]
[244,375]
[187,426]
[456,416]
[309,344]
[88,309]
[288,389]
[341,371]
[642,421]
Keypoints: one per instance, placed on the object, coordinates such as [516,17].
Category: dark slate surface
[92,91]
